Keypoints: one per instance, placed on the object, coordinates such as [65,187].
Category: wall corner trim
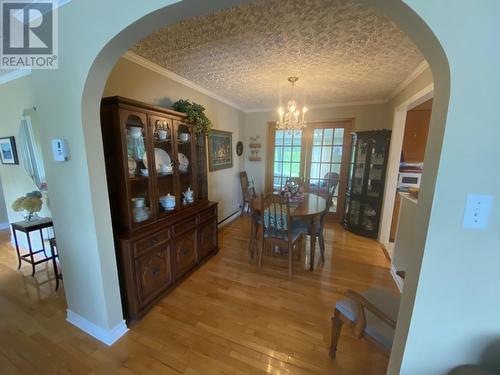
[13,75]
[399,282]
[108,337]
[145,63]
[418,70]
[228,220]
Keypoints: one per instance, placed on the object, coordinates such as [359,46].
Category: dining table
[307,207]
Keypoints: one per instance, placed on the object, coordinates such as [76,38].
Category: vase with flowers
[29,205]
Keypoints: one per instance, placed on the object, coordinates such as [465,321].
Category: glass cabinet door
[369,216]
[377,166]
[163,167]
[201,167]
[136,131]
[185,159]
[358,180]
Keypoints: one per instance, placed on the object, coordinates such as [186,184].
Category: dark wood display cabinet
[365,190]
[164,225]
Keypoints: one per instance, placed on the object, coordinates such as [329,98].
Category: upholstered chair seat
[372,314]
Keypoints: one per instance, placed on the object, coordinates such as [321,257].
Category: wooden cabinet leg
[336,328]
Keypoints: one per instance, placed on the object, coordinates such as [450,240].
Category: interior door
[328,150]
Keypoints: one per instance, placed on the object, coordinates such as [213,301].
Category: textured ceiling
[341,51]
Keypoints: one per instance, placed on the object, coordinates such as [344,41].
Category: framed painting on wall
[220,150]
[8,152]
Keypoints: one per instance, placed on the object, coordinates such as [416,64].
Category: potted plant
[195,114]
[28,205]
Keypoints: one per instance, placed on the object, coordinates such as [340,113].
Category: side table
[55,254]
[27,227]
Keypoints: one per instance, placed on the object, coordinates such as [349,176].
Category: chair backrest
[275,216]
[244,185]
[332,186]
[294,184]
[331,181]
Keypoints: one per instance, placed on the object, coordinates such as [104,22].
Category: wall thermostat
[60,149]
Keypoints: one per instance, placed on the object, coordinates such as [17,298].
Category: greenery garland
[195,114]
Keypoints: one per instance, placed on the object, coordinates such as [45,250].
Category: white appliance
[409,180]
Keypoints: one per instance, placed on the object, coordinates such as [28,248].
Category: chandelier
[293,118]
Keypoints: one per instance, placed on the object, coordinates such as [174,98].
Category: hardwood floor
[224,319]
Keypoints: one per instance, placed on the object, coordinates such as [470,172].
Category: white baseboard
[109,337]
[229,219]
[4,226]
[398,280]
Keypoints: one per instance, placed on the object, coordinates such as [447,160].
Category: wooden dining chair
[247,192]
[319,228]
[277,228]
[371,314]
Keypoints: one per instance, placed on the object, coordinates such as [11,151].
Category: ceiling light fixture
[292,119]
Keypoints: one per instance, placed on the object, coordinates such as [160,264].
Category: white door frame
[398,131]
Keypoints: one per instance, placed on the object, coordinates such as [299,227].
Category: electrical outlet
[477,211]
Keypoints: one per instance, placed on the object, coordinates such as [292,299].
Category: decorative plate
[131,166]
[183,161]
[239,148]
[161,157]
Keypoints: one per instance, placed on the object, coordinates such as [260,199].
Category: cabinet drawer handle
[153,241]
[155,271]
[185,252]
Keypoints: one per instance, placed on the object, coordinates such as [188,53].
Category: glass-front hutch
[365,190]
[156,169]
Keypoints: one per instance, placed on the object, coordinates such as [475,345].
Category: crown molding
[145,63]
[14,74]
[418,70]
[332,105]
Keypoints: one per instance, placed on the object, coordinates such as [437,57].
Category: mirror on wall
[29,148]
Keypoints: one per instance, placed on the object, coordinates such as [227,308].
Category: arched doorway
[93,65]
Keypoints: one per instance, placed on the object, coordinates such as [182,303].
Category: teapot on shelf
[188,195]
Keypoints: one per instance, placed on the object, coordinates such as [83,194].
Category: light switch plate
[477,211]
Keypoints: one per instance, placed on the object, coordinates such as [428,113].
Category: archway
[93,65]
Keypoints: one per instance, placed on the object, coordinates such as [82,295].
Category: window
[326,160]
[317,154]
[287,157]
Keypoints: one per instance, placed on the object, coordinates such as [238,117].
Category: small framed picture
[8,152]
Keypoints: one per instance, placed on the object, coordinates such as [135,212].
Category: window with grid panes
[287,156]
[326,159]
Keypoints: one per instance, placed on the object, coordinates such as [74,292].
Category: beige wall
[366,117]
[133,81]
[4,219]
[16,97]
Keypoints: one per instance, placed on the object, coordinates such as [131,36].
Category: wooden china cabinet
[153,157]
